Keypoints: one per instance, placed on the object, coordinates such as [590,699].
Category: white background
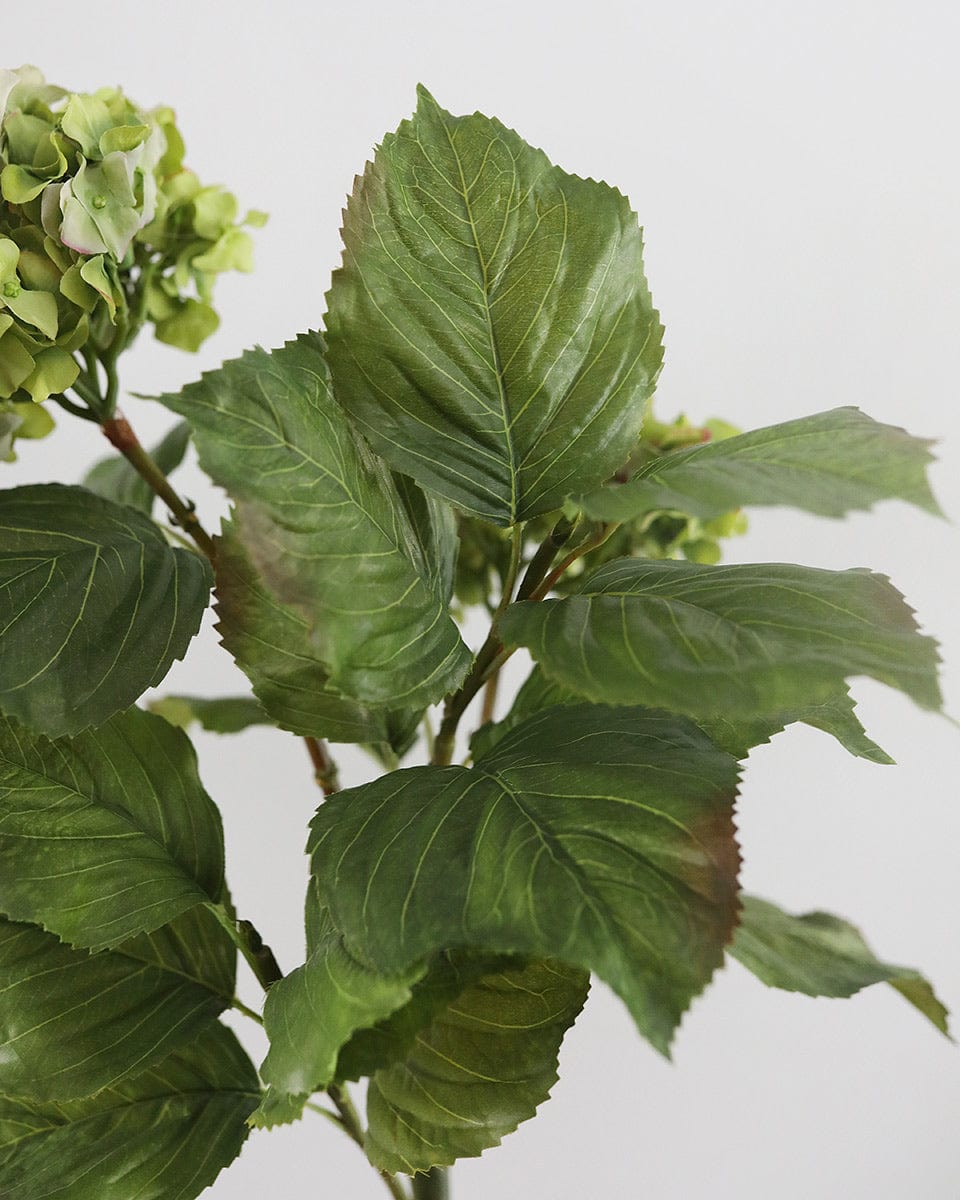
[795,167]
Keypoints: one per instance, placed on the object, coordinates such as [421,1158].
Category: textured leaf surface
[72,1023]
[311,1013]
[163,1135]
[836,717]
[323,525]
[596,836]
[95,607]
[490,329]
[829,464]
[731,642]
[273,645]
[115,479]
[105,835]
[483,1064]
[821,955]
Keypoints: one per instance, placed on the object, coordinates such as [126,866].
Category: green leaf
[115,479]
[73,1023]
[95,606]
[822,955]
[732,641]
[222,714]
[830,464]
[163,1135]
[312,1012]
[323,526]
[490,330]
[485,1063]
[273,645]
[105,835]
[600,837]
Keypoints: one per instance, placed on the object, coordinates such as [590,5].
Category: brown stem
[324,768]
[119,433]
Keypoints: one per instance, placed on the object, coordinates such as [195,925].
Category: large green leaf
[600,837]
[490,330]
[105,835]
[312,1012]
[95,606]
[482,1065]
[72,1023]
[829,464]
[821,955]
[836,716]
[215,714]
[272,643]
[323,525]
[115,479]
[163,1135]
[731,642]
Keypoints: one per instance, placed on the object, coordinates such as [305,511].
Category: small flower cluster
[101,230]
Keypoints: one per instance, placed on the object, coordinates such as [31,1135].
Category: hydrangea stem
[434,1185]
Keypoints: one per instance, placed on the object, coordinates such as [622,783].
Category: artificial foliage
[467,429]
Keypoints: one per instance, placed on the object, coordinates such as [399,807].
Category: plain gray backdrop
[796,171]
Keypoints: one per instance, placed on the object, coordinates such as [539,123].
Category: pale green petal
[54,372]
[189,327]
[76,289]
[215,210]
[78,230]
[35,421]
[86,119]
[38,309]
[19,186]
[9,257]
[16,362]
[93,272]
[123,138]
[233,251]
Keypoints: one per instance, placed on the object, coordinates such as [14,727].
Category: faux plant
[471,430]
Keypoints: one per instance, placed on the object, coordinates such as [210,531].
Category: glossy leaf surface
[105,835]
[73,1023]
[822,955]
[490,330]
[95,606]
[323,526]
[830,464]
[731,642]
[483,1064]
[600,837]
[163,1135]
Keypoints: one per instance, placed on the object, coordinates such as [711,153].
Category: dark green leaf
[273,645]
[323,526]
[95,607]
[821,955]
[311,1013]
[491,330]
[483,1065]
[72,1022]
[163,1135]
[105,835]
[738,737]
[600,837]
[830,464]
[220,714]
[115,479]
[732,642]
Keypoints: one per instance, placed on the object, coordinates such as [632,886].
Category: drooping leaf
[95,607]
[830,463]
[323,526]
[732,642]
[115,479]
[836,717]
[272,643]
[312,1012]
[822,955]
[217,714]
[162,1135]
[105,835]
[599,837]
[72,1023]
[485,1063]
[490,330]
